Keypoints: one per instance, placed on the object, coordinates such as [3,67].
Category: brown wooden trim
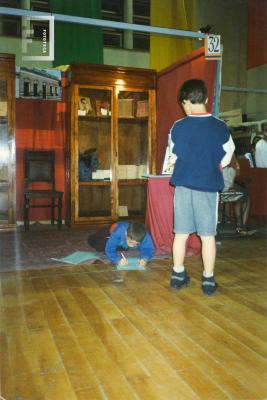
[7,65]
[101,74]
[152,128]
[96,183]
[7,74]
[132,182]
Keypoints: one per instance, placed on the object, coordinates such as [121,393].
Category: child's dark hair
[136,231]
[194,90]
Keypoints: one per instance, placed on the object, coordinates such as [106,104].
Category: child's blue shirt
[199,146]
[118,239]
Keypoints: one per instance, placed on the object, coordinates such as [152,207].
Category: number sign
[213,47]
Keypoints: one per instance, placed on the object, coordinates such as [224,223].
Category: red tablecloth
[256,179]
[159,217]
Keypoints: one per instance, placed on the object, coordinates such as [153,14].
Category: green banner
[75,42]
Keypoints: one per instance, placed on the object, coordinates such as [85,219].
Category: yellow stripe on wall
[177,14]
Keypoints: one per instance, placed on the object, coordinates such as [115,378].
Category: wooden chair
[39,183]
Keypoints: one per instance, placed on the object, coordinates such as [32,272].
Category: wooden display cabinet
[7,142]
[112,141]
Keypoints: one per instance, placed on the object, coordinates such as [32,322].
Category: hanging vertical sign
[213,47]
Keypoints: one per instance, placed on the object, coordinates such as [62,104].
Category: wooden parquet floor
[77,333]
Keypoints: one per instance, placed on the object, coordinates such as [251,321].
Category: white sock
[179,270]
[208,275]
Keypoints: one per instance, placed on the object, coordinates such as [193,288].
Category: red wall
[257,33]
[257,188]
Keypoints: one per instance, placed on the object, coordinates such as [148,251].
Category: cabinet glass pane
[132,200]
[132,134]
[4,152]
[94,149]
[94,134]
[94,201]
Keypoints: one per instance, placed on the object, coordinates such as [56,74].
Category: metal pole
[128,17]
[102,23]
[218,79]
[243,90]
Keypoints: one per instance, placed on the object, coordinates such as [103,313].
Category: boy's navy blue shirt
[118,239]
[198,144]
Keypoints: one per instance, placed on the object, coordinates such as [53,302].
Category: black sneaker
[179,280]
[209,286]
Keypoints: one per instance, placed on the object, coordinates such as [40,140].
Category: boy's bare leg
[179,249]
[208,254]
[179,277]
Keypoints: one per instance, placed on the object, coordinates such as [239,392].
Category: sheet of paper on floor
[78,257]
[133,264]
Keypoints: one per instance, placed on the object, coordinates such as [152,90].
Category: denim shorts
[195,211]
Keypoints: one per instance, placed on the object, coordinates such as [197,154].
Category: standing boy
[202,146]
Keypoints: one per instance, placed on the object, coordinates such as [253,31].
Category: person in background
[261,150]
[202,145]
[250,156]
[242,202]
[121,236]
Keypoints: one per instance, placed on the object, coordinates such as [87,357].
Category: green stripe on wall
[74,42]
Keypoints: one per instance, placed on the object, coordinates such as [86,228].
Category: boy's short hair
[136,231]
[194,90]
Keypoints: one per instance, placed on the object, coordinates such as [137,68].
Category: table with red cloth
[159,217]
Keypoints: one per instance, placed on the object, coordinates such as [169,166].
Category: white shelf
[257,123]
[249,133]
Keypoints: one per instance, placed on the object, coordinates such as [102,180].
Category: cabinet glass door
[94,152]
[133,134]
[4,154]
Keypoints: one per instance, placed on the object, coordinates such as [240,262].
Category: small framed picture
[85,106]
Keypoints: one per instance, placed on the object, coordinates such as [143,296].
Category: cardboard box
[131,171]
[126,108]
[3,108]
[232,117]
[122,172]
[142,108]
[123,211]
